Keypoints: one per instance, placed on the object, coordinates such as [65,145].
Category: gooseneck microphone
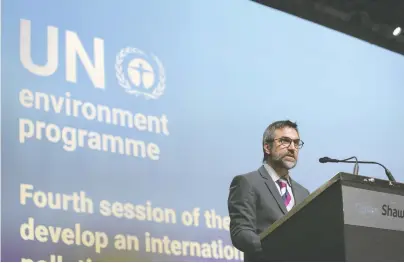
[330,160]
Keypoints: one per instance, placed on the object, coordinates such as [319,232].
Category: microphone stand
[388,173]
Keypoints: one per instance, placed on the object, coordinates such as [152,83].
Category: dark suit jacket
[254,203]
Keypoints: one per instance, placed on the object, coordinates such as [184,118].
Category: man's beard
[280,162]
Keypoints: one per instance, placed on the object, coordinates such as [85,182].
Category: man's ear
[267,148]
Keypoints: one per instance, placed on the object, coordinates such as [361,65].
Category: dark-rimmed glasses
[286,142]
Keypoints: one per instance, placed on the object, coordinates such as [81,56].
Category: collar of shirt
[274,175]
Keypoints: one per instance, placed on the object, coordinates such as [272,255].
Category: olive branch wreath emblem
[120,75]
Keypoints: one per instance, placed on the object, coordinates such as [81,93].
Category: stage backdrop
[123,122]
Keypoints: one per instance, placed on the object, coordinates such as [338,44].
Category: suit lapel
[296,193]
[272,188]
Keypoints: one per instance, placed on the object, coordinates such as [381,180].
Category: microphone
[327,160]
[330,160]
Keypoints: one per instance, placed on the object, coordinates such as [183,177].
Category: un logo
[145,74]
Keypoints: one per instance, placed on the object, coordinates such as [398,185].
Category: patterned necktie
[286,196]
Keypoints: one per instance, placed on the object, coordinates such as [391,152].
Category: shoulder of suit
[300,186]
[252,177]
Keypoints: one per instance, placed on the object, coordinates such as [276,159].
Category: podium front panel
[374,209]
[374,225]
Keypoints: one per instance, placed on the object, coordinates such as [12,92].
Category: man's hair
[269,133]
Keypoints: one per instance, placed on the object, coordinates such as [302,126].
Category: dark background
[370,20]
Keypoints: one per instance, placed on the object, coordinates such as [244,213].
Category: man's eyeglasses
[286,142]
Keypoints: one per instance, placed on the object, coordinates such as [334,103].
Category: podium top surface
[346,179]
[359,181]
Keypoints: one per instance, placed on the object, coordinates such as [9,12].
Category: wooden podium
[350,218]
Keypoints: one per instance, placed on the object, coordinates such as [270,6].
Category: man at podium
[259,198]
